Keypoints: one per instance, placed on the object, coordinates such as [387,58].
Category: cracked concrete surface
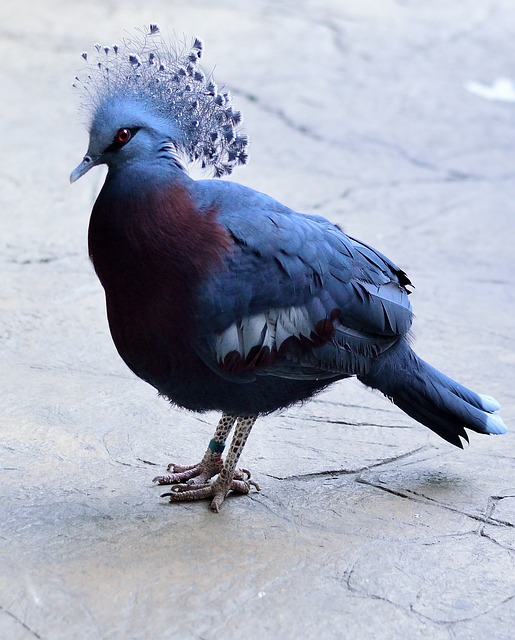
[367,525]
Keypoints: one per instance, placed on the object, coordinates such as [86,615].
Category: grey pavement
[383,116]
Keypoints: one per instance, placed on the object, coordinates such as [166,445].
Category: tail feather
[489,404]
[431,397]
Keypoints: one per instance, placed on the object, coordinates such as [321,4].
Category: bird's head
[144,98]
[123,131]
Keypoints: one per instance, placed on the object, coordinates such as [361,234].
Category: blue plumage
[223,298]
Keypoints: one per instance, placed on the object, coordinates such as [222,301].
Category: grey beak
[86,164]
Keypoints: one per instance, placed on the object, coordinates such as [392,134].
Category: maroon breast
[151,248]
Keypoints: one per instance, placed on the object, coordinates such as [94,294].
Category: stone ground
[368,525]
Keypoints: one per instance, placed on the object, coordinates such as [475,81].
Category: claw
[179,468]
[216,503]
[254,484]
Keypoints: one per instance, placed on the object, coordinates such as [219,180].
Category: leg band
[216,447]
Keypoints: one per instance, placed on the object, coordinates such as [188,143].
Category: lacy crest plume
[169,82]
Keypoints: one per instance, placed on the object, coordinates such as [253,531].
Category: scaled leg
[210,465]
[229,478]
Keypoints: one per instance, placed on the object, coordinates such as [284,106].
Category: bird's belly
[157,356]
[160,353]
[182,377]
[205,390]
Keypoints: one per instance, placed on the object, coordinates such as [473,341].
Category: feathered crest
[171,82]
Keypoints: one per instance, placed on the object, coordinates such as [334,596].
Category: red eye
[123,136]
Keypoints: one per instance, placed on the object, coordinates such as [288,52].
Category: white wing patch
[263,331]
[305,334]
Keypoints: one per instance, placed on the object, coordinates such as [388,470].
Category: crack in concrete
[335,403]
[472,617]
[448,624]
[493,501]
[409,494]
[449,175]
[115,456]
[459,34]
[348,472]
[43,260]
[337,34]
[352,424]
[483,534]
[394,184]
[149,462]
[393,492]
[386,184]
[374,596]
[283,117]
[23,624]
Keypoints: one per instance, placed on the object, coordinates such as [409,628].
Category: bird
[221,297]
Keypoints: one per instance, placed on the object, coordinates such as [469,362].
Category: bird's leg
[229,479]
[210,465]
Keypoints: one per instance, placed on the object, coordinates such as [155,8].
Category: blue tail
[432,398]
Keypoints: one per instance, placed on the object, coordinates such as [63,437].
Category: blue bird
[221,297]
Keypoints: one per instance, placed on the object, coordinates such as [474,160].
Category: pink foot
[216,490]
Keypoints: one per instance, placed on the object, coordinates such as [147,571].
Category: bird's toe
[197,474]
[216,490]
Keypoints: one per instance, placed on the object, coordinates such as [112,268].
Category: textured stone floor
[383,116]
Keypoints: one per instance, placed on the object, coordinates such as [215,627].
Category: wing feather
[295,296]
